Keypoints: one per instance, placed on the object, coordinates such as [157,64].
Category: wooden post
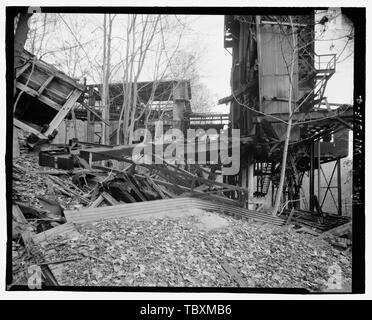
[63,112]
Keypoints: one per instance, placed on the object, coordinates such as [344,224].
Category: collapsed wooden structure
[44,97]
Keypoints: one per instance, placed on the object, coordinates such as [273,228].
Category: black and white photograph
[185,149]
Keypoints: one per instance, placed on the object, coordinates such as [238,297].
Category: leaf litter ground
[177,252]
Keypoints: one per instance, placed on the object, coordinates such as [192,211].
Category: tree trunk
[104,78]
[20,38]
[289,127]
[107,28]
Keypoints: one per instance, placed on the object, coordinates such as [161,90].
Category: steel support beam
[311,180]
[319,169]
[339,186]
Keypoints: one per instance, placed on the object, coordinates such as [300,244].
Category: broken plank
[168,193]
[156,187]
[60,189]
[18,215]
[53,172]
[62,185]
[110,199]
[66,229]
[96,202]
[27,128]
[338,231]
[53,125]
[170,183]
[133,186]
[94,112]
[202,187]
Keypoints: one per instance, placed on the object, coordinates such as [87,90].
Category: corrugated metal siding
[169,206]
[276,55]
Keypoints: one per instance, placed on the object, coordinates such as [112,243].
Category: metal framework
[260,48]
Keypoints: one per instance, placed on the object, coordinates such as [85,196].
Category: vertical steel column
[319,177]
[250,181]
[339,190]
[311,180]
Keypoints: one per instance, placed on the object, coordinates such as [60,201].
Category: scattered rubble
[111,246]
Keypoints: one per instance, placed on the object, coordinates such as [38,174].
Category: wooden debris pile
[124,251]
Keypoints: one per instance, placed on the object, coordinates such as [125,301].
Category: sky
[216,61]
[205,37]
[340,86]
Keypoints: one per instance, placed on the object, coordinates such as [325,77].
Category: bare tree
[146,44]
[289,124]
[185,66]
[317,90]
[106,71]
